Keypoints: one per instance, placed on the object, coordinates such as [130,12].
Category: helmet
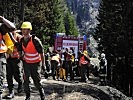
[26,25]
[102,55]
[85,52]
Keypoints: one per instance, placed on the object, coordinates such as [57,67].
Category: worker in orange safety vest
[13,68]
[33,59]
[84,66]
[6,46]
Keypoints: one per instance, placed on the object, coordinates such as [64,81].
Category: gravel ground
[59,90]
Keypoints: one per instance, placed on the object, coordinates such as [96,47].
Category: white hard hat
[102,55]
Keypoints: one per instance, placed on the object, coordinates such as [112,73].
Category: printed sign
[71,44]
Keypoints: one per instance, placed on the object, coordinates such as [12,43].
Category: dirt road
[59,90]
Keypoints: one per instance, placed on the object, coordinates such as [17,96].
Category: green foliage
[46,16]
[70,25]
[111,26]
[115,39]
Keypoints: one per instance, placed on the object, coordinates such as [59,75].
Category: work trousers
[2,72]
[83,72]
[2,75]
[69,70]
[13,69]
[48,67]
[54,66]
[32,70]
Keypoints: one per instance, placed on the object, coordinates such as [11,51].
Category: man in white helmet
[103,69]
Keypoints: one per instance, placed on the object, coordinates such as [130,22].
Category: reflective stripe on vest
[32,56]
[83,61]
[3,47]
[30,53]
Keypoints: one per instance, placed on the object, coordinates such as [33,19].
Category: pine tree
[114,40]
[70,25]
[128,19]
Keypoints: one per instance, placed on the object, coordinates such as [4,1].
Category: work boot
[42,94]
[27,96]
[10,95]
[20,88]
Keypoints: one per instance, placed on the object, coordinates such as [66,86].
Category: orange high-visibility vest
[3,47]
[30,53]
[83,61]
[15,53]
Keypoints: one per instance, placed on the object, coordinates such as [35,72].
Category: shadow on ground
[61,89]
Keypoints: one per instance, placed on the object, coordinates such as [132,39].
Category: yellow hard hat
[26,25]
[85,52]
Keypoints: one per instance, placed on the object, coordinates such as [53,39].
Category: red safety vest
[83,61]
[3,47]
[30,53]
[15,53]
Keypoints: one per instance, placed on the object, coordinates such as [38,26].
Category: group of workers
[20,50]
[62,64]
[25,52]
